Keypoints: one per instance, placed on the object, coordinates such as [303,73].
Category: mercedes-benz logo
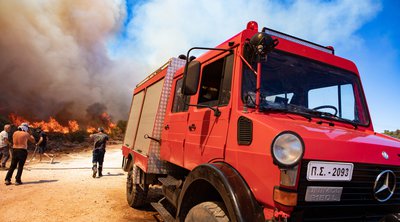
[385,155]
[385,184]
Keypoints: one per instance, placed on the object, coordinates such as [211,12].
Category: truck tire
[207,212]
[135,194]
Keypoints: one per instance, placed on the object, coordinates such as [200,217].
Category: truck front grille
[357,200]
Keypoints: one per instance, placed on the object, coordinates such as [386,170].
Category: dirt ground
[66,191]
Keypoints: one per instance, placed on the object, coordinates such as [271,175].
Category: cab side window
[180,100]
[215,86]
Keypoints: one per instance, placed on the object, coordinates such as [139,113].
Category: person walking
[100,140]
[4,145]
[19,153]
[42,145]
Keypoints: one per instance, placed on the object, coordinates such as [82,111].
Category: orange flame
[90,129]
[17,120]
[54,126]
[107,121]
[73,125]
[51,126]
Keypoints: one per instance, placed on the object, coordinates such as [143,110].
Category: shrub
[78,136]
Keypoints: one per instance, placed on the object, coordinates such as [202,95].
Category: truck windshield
[299,85]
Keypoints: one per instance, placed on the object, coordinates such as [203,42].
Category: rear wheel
[207,212]
[135,193]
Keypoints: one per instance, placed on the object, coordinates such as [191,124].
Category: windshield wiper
[333,117]
[309,113]
[286,110]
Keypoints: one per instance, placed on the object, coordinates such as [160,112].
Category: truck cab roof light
[327,49]
[252,25]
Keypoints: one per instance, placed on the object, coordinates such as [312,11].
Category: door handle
[192,127]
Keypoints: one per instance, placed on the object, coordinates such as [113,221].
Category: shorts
[42,149]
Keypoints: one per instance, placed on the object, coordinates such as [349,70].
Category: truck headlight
[287,149]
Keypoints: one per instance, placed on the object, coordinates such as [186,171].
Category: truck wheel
[207,212]
[135,194]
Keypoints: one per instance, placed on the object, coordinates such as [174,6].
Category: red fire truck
[264,127]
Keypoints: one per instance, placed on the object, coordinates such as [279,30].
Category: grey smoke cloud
[54,59]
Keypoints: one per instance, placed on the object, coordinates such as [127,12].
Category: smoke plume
[54,59]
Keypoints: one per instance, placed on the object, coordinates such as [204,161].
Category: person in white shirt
[4,146]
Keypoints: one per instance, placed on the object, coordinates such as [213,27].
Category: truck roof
[291,44]
[154,76]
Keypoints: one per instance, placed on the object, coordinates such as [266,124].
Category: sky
[63,58]
[379,64]
[363,31]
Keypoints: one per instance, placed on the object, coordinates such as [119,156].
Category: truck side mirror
[191,78]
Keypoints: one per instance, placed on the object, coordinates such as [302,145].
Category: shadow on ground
[40,181]
[113,174]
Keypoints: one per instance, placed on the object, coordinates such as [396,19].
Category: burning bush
[77,136]
[71,131]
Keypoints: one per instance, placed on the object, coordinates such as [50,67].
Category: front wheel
[207,212]
[135,193]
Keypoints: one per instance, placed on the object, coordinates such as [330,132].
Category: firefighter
[19,153]
[42,145]
[100,139]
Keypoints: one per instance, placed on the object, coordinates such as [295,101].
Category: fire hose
[33,155]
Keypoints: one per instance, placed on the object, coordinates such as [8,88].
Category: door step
[170,182]
[165,215]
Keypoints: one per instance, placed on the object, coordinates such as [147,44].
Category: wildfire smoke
[54,61]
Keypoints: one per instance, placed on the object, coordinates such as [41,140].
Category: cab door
[175,125]
[206,130]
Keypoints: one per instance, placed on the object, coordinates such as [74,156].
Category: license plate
[329,171]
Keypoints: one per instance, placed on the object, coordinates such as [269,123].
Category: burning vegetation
[69,134]
[72,126]
[96,116]
[64,131]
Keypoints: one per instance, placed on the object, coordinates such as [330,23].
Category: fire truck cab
[264,127]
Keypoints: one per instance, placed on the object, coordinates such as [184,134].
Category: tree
[3,121]
[395,134]
[122,125]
